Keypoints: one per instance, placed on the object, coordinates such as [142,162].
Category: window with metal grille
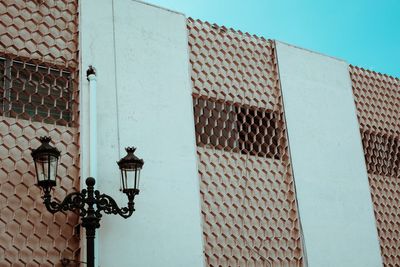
[382,153]
[35,92]
[235,128]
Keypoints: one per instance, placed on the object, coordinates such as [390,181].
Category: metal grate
[382,152]
[236,128]
[377,99]
[35,92]
[247,190]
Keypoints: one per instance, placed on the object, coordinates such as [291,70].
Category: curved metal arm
[72,201]
[109,206]
[85,200]
[90,204]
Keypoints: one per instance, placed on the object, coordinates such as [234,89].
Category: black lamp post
[89,202]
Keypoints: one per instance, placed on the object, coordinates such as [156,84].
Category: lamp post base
[90,236]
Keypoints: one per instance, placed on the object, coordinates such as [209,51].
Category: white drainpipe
[92,124]
[89,145]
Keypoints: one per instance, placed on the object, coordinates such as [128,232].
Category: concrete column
[144,100]
[329,169]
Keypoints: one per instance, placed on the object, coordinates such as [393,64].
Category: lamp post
[88,202]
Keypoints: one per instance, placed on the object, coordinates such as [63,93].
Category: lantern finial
[45,139]
[130,150]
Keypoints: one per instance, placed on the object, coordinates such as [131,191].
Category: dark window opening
[35,92]
[382,153]
[237,128]
[258,132]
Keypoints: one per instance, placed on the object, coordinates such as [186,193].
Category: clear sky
[365,33]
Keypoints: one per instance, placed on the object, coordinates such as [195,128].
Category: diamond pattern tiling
[42,30]
[29,234]
[249,208]
[377,99]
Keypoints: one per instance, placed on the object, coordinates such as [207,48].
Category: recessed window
[216,124]
[236,128]
[35,92]
[258,132]
[382,153]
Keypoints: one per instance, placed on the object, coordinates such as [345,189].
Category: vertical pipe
[84,145]
[92,78]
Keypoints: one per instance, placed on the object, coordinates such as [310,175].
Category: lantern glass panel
[130,176]
[46,168]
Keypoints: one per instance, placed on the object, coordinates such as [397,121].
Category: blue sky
[365,33]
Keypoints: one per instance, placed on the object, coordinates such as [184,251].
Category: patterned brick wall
[248,200]
[39,88]
[29,234]
[377,100]
[44,30]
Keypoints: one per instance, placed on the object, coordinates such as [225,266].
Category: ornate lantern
[130,167]
[46,162]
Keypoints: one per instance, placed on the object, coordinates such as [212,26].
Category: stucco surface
[144,100]
[328,164]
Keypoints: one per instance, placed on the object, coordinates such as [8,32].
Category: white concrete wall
[329,170]
[144,101]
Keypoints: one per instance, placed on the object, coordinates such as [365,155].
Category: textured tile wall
[42,30]
[29,234]
[377,98]
[36,34]
[249,208]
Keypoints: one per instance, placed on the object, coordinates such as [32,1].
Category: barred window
[382,153]
[216,124]
[235,128]
[35,92]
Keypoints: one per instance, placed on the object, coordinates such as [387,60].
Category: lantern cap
[130,159]
[45,148]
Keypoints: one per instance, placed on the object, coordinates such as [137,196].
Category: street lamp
[89,202]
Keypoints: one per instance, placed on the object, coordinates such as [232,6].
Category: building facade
[257,153]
